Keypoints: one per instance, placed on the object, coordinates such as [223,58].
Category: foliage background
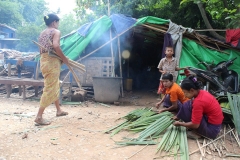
[27,15]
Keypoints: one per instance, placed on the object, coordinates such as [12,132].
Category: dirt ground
[79,135]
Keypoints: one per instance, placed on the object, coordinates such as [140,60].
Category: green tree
[30,9]
[217,11]
[184,14]
[26,17]
[9,13]
[68,23]
[27,33]
[210,14]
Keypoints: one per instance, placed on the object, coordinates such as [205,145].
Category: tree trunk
[208,25]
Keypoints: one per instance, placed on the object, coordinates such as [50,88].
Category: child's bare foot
[41,121]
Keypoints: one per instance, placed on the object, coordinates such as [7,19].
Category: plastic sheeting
[153,20]
[122,23]
[176,32]
[83,30]
[193,53]
[73,45]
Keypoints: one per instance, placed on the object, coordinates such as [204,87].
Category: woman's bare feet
[41,121]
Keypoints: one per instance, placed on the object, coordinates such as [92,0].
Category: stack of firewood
[13,54]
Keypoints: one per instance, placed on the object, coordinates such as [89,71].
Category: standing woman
[50,67]
[204,115]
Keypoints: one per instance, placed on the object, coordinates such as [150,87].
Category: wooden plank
[20,81]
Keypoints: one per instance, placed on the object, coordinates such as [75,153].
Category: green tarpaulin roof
[73,45]
[153,20]
[191,54]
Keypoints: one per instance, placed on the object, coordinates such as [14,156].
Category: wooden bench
[9,81]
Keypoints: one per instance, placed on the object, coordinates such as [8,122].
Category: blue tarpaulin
[122,23]
[83,30]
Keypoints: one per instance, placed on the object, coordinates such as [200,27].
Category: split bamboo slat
[71,64]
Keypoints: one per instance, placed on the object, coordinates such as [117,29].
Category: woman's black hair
[167,76]
[191,82]
[48,19]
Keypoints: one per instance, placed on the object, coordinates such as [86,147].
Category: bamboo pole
[70,68]
[120,66]
[202,153]
[75,77]
[111,45]
[71,62]
[204,149]
[136,152]
[4,70]
[78,64]
[65,78]
[104,44]
[154,28]
[220,30]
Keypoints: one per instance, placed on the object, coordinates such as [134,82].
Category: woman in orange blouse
[174,95]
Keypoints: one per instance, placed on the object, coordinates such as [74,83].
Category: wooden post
[9,86]
[60,94]
[36,90]
[24,92]
[120,66]
[113,65]
[9,90]
[37,70]
[36,77]
[20,90]
[9,69]
[70,92]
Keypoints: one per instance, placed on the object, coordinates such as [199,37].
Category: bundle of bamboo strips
[174,143]
[71,64]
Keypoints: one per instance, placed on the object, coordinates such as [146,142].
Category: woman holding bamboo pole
[50,67]
[203,114]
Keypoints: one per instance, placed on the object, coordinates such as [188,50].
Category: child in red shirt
[203,113]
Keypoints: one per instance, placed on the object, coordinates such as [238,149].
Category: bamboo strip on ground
[211,142]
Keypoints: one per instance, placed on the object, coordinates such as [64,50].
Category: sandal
[62,114]
[41,122]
